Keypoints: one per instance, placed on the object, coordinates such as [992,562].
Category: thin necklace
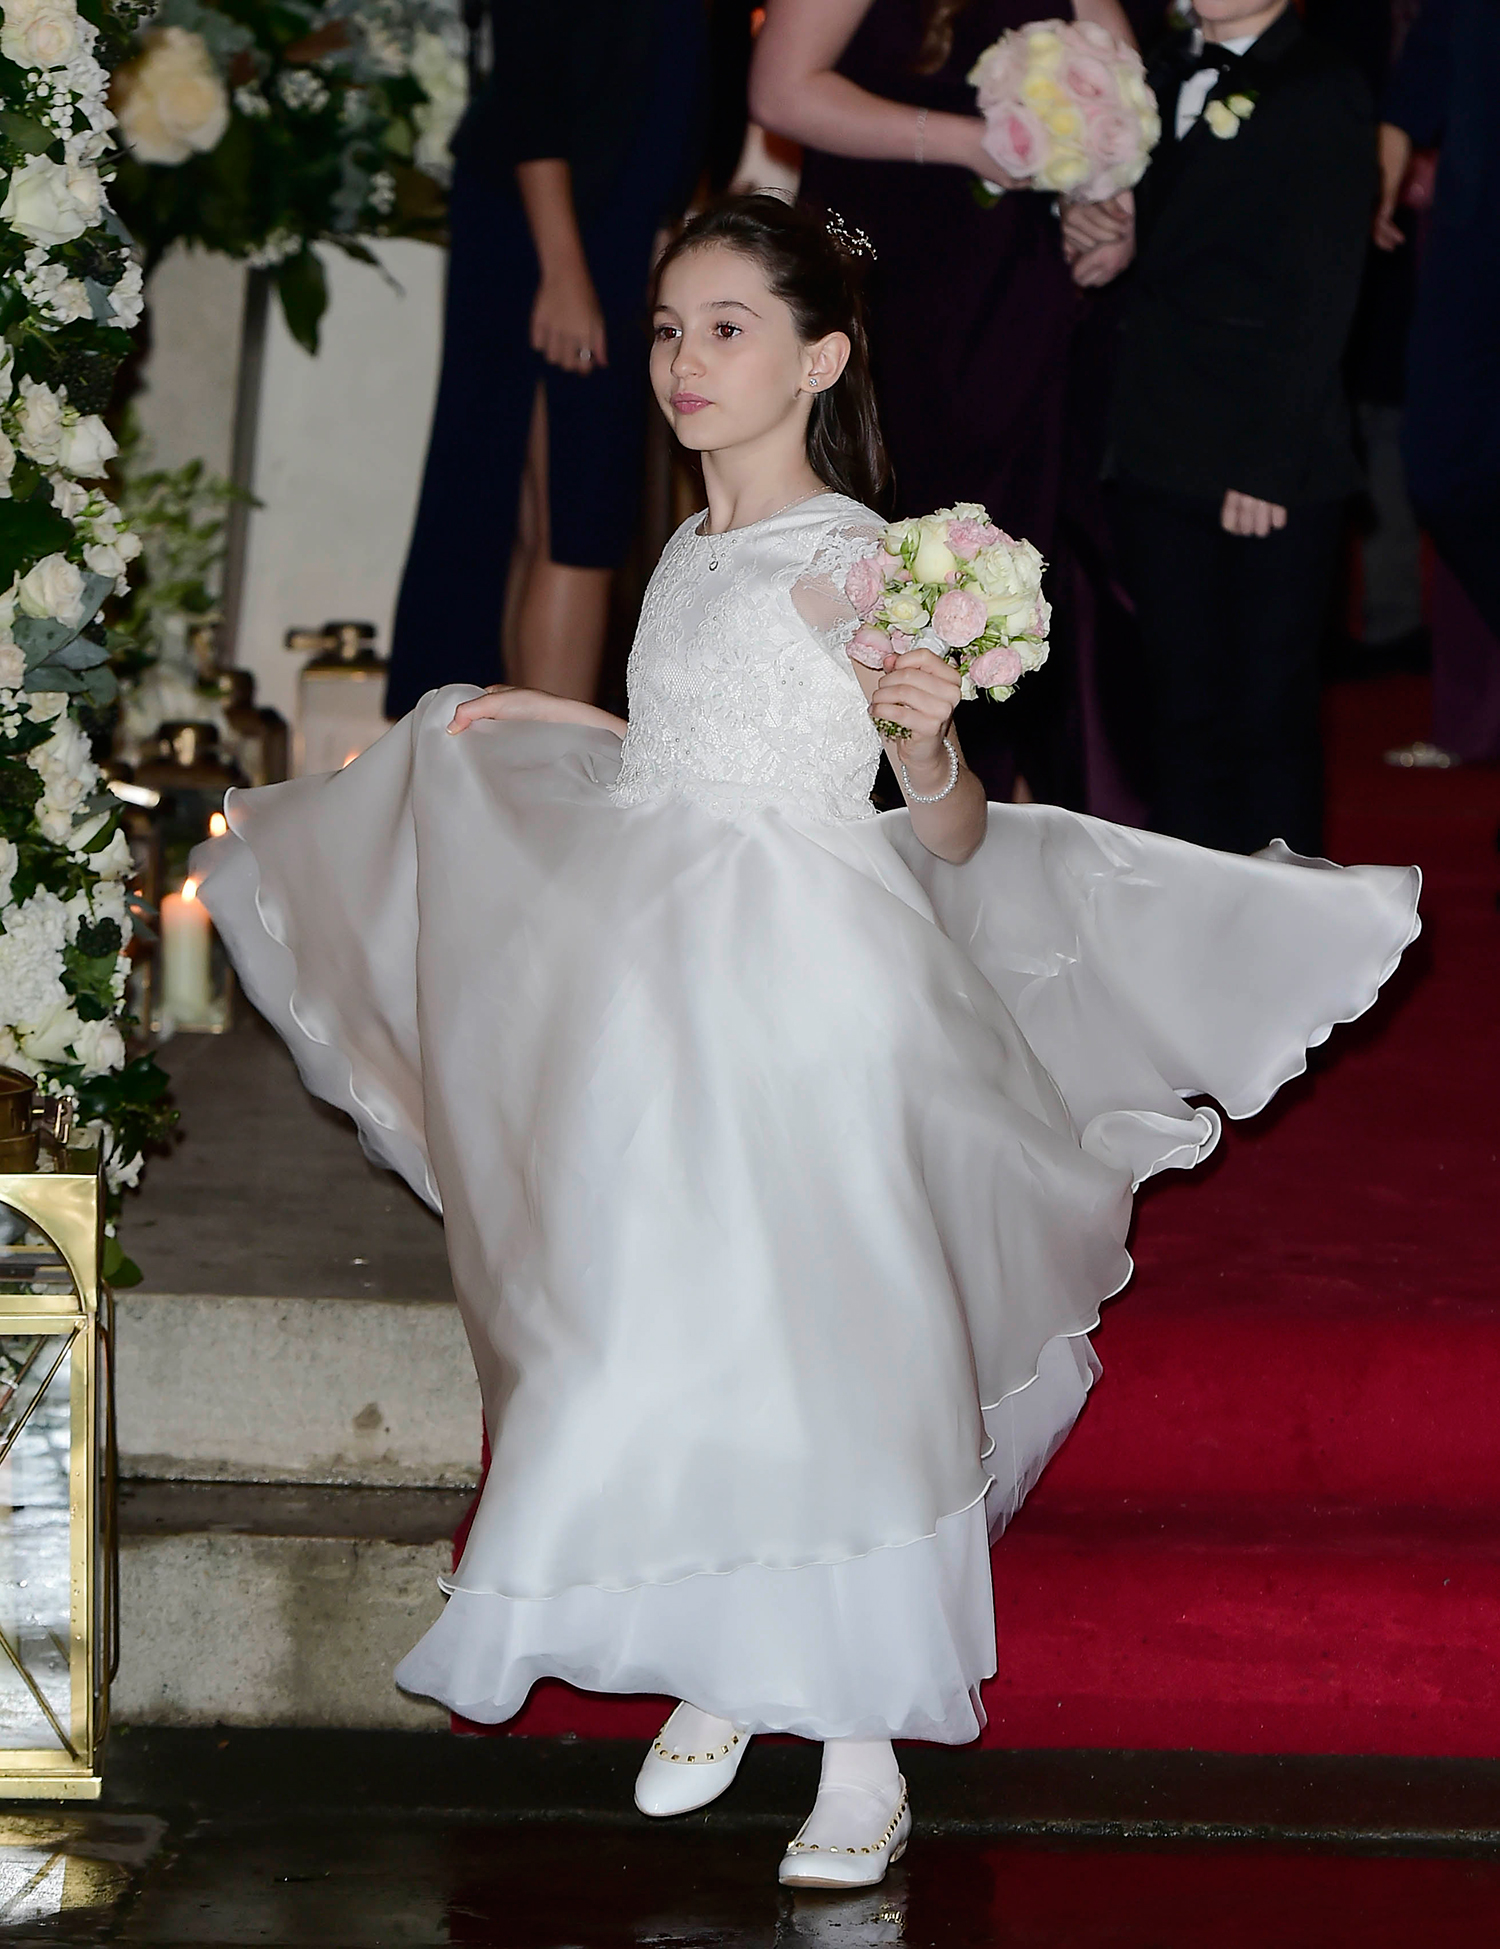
[745,527]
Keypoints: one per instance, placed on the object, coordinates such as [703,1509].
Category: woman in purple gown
[990,361]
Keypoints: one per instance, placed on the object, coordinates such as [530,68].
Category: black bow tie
[1218,58]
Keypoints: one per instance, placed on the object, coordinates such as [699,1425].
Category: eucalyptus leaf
[48,677]
[81,654]
[100,306]
[42,637]
[101,685]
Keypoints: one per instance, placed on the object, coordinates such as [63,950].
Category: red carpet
[1277,1526]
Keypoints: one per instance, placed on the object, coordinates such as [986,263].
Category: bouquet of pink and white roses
[1067,108]
[955,584]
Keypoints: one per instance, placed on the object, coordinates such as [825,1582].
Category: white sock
[691,1731]
[857,1793]
[861,1763]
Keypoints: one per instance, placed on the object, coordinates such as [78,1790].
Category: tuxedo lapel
[1201,153]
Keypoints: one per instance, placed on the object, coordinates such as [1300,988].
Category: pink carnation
[870,646]
[959,617]
[865,584]
[998,666]
[966,538]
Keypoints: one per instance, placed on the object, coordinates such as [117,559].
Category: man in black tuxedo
[1231,445]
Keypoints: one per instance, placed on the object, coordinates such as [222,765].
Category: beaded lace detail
[742,695]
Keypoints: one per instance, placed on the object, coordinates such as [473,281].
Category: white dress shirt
[1196,90]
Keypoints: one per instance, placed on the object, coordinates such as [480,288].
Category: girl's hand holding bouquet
[1067,108]
[954,586]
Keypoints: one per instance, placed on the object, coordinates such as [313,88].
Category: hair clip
[852,242]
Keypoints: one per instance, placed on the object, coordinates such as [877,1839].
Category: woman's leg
[556,615]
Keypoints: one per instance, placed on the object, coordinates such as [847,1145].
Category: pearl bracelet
[931,798]
[921,135]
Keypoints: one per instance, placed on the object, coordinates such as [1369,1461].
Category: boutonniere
[1224,117]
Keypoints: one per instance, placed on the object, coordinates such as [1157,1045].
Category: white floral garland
[64,913]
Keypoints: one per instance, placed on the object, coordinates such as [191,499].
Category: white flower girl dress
[784,1167]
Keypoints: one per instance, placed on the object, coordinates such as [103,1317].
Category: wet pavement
[343,1841]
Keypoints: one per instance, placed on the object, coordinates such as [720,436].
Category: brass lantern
[58,1630]
[341,696]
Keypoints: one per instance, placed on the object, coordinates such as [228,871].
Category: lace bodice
[742,695]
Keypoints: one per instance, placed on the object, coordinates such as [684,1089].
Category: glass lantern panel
[29,1262]
[35,1538]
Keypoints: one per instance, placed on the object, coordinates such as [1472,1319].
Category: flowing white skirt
[784,1169]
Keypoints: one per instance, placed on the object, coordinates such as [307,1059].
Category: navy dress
[620,98]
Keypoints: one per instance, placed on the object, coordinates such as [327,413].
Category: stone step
[276,1605]
[222,1387]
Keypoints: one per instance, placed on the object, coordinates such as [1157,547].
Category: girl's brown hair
[819,282]
[937,35]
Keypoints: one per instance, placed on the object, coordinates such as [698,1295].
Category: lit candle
[186,951]
[218,825]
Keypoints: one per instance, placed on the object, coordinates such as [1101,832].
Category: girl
[784,1157]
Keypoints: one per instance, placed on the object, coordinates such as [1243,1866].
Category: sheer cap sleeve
[818,593]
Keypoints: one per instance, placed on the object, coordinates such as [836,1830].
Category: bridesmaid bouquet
[1067,108]
[954,583]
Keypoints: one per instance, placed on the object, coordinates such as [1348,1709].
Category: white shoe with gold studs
[686,1769]
[850,1838]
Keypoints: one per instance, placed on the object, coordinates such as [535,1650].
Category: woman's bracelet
[931,798]
[921,135]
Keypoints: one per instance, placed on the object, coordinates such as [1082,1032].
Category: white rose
[85,445]
[43,706]
[8,860]
[107,902]
[171,101]
[39,422]
[68,497]
[12,667]
[39,33]
[117,1175]
[905,612]
[934,560]
[898,534]
[115,861]
[7,465]
[50,1038]
[52,202]
[54,588]
[99,1047]
[7,373]
[126,297]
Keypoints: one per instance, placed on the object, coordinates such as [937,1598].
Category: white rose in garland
[53,202]
[53,590]
[70,286]
[171,102]
[39,33]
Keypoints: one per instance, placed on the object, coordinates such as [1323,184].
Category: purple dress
[972,310]
[992,370]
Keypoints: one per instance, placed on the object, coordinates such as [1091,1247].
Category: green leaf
[28,531]
[117,1269]
[304,297]
[24,133]
[101,686]
[46,640]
